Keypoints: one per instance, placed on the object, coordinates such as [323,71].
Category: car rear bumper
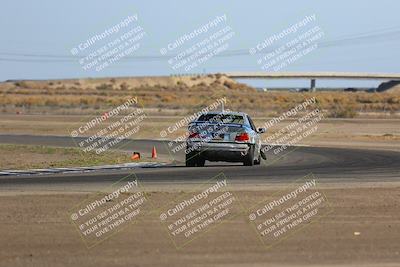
[218,146]
[215,151]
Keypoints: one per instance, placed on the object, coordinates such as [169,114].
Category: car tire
[258,160]
[200,161]
[249,158]
[190,159]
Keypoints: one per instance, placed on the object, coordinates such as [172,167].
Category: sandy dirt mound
[123,82]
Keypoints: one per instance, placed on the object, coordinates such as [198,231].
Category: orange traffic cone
[135,156]
[154,153]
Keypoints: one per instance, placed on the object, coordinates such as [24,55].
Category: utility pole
[312,87]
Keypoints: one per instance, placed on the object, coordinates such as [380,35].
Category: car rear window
[221,118]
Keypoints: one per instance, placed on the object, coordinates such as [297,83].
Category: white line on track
[83,169]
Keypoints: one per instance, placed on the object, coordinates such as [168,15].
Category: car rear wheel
[190,159]
[200,161]
[249,158]
[194,159]
[258,160]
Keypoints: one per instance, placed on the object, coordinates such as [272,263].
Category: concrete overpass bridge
[313,76]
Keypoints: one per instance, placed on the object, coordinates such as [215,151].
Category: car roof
[226,112]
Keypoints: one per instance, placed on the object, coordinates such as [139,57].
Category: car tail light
[242,137]
[193,135]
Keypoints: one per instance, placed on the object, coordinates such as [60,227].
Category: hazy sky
[37,36]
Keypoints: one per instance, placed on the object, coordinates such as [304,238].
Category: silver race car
[223,136]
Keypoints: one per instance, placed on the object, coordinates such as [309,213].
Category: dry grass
[177,93]
[34,156]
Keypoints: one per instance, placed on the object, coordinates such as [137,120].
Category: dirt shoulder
[362,229]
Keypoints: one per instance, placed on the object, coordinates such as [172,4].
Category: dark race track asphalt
[328,164]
